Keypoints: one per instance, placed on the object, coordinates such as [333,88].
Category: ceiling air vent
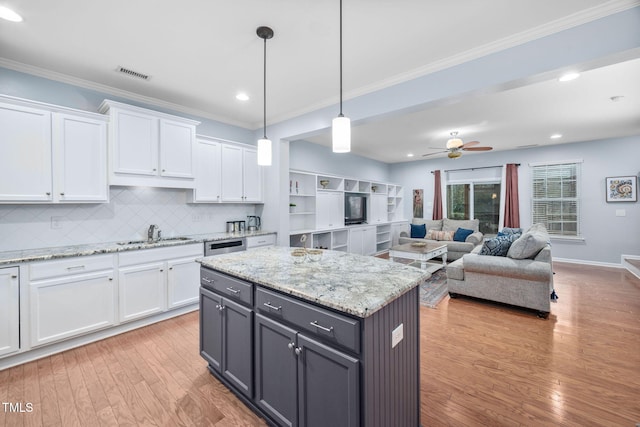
[132,73]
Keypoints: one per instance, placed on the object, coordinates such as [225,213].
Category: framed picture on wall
[622,188]
[418,204]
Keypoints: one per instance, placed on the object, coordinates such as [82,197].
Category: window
[475,200]
[556,197]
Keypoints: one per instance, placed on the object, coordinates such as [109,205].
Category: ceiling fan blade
[470,144]
[478,149]
[432,154]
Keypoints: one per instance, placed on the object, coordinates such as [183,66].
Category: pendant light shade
[341,125]
[341,134]
[264,144]
[264,152]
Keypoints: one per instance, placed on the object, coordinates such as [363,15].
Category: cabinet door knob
[161,270]
[47,193]
[110,278]
[164,170]
[298,351]
[13,276]
[154,169]
[62,194]
[291,346]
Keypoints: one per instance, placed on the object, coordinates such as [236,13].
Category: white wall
[606,236]
[310,157]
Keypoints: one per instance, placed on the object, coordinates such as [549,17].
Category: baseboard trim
[29,355]
[585,262]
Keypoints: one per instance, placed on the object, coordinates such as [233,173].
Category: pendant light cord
[264,99]
[340,115]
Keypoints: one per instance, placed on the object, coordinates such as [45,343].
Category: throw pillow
[497,246]
[509,230]
[418,231]
[528,245]
[461,234]
[440,235]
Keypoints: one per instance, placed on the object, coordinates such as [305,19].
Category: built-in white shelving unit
[319,210]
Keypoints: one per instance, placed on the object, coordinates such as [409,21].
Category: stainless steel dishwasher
[217,247]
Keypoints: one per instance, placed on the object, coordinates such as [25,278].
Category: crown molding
[98,87]
[546,29]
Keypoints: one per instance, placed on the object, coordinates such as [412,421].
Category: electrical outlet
[397,335]
[56,222]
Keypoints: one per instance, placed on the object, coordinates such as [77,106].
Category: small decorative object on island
[324,183]
[314,254]
[622,189]
[298,255]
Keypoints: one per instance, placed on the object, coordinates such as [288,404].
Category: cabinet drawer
[69,266]
[228,286]
[257,241]
[143,256]
[332,327]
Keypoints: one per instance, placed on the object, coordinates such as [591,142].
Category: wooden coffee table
[422,254]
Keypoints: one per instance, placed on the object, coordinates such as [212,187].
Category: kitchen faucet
[150,232]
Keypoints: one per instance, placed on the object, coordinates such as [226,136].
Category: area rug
[434,289]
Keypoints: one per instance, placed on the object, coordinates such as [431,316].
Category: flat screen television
[355,208]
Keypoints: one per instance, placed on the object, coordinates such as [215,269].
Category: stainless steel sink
[151,242]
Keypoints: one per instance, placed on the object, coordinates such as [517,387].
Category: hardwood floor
[481,364]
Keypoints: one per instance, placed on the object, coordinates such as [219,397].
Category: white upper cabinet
[80,157]
[208,175]
[241,175]
[329,209]
[25,154]
[150,148]
[51,154]
[378,204]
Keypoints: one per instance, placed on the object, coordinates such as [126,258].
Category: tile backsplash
[126,217]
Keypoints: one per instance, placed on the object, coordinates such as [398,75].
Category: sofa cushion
[418,231]
[529,244]
[430,224]
[455,270]
[440,235]
[454,224]
[461,234]
[475,238]
[498,246]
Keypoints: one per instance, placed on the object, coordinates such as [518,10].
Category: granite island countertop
[44,254]
[354,284]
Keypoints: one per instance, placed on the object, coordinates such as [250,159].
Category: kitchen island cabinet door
[211,329]
[142,290]
[9,310]
[276,371]
[25,154]
[237,346]
[80,159]
[328,386]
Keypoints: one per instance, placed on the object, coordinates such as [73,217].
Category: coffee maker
[253,223]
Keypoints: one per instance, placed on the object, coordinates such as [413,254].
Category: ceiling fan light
[264,152]
[454,143]
[454,154]
[341,134]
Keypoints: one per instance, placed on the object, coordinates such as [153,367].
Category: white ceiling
[200,53]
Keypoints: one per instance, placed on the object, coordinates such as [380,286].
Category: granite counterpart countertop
[355,284]
[43,254]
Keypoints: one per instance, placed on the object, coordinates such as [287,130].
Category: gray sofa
[523,278]
[455,249]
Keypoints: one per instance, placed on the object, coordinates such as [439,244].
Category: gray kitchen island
[333,342]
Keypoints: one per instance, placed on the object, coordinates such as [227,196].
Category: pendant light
[341,125]
[264,144]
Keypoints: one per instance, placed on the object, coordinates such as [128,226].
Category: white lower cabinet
[141,291]
[69,298]
[183,282]
[151,281]
[9,310]
[260,241]
[362,240]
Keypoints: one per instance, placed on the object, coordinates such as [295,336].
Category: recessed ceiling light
[568,77]
[410,155]
[242,96]
[9,15]
[556,136]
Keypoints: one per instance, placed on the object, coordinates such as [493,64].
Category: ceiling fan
[455,147]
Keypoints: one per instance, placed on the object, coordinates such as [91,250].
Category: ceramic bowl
[314,254]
